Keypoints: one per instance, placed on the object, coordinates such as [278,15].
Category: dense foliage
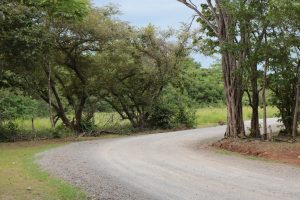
[259,45]
[15,105]
[203,85]
[80,60]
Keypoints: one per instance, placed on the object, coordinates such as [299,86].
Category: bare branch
[192,6]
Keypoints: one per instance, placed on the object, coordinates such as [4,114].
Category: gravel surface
[169,166]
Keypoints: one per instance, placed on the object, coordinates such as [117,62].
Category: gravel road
[169,166]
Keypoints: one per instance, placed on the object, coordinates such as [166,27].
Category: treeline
[259,44]
[80,60]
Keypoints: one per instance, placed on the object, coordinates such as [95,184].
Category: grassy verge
[249,157]
[21,178]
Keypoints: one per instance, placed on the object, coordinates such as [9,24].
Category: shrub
[173,110]
[60,131]
[9,132]
[88,125]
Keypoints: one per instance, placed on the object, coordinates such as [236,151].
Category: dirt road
[169,166]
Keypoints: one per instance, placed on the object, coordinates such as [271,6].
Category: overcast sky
[161,13]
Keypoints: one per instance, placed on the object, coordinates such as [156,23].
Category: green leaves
[16,105]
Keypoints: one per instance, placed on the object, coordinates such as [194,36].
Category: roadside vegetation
[69,69]
[112,123]
[87,77]
[82,67]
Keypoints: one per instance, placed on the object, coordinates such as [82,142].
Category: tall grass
[212,116]
[40,124]
[112,121]
[106,121]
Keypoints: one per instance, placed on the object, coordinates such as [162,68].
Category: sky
[161,13]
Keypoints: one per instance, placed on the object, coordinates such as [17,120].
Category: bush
[15,105]
[9,132]
[88,125]
[174,110]
[60,131]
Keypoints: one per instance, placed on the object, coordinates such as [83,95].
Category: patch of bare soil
[278,151]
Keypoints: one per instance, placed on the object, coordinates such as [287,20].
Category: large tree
[138,68]
[284,53]
[231,37]
[50,52]
[254,16]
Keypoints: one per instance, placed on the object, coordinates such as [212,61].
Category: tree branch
[192,6]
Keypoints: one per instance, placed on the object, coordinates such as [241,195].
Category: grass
[102,120]
[18,172]
[212,116]
[249,157]
[39,123]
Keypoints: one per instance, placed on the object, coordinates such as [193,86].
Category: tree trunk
[33,128]
[265,130]
[296,110]
[255,129]
[234,94]
[49,93]
[78,128]
[255,132]
[32,124]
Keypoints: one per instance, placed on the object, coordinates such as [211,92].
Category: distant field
[211,116]
[204,117]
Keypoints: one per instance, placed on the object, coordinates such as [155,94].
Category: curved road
[169,166]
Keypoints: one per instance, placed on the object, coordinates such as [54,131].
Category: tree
[285,59]
[137,70]
[230,36]
[254,16]
[68,44]
[203,85]
[296,109]
[14,105]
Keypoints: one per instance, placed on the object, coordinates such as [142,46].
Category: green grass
[102,120]
[19,172]
[39,123]
[112,121]
[248,157]
[211,116]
